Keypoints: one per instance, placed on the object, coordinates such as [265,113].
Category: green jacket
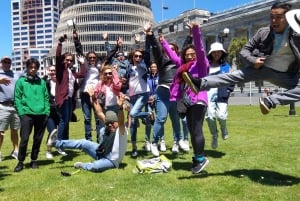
[31,97]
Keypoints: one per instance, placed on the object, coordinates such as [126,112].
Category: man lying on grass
[112,141]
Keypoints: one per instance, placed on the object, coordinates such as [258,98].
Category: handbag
[183,104]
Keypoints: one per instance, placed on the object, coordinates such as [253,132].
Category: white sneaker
[154,149]
[14,154]
[147,146]
[163,147]
[0,156]
[49,155]
[78,165]
[175,148]
[187,145]
[62,152]
[183,145]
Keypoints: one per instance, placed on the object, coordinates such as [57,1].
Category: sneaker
[154,149]
[134,153]
[147,146]
[183,145]
[62,152]
[78,165]
[199,166]
[214,142]
[163,147]
[0,156]
[34,165]
[225,137]
[49,155]
[175,148]
[265,105]
[52,138]
[187,145]
[14,154]
[190,81]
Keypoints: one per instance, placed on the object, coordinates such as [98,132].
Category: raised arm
[202,61]
[171,53]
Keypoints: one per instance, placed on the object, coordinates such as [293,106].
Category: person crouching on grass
[32,105]
[112,145]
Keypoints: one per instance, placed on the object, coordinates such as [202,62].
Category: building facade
[33,25]
[93,18]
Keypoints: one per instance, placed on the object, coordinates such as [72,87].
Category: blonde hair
[103,69]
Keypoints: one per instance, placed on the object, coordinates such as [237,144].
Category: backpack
[159,164]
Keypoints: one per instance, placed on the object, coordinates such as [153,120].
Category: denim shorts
[9,117]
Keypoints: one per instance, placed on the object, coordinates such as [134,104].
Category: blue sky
[175,7]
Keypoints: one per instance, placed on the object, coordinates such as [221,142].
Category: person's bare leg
[15,139]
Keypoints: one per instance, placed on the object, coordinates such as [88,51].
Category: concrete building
[92,18]
[242,21]
[33,25]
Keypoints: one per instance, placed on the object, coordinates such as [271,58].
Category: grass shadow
[214,153]
[264,177]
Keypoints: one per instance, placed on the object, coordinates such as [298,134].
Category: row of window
[138,2]
[106,8]
[32,43]
[107,27]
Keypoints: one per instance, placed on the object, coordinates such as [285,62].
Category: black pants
[194,118]
[27,123]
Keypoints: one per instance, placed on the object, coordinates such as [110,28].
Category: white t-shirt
[119,148]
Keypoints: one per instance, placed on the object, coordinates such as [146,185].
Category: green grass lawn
[260,161]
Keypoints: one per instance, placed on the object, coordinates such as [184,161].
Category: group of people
[189,84]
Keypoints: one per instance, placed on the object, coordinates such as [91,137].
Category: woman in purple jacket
[195,62]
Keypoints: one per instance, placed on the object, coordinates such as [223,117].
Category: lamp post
[224,35]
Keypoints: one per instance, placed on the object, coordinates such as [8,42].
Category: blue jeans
[148,126]
[137,102]
[87,114]
[89,148]
[163,107]
[65,113]
[185,129]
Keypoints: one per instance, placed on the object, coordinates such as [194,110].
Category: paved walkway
[247,100]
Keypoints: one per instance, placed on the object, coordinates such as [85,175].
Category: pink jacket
[115,86]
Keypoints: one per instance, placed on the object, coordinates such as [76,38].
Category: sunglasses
[120,55]
[6,62]
[52,70]
[108,73]
[92,57]
[138,56]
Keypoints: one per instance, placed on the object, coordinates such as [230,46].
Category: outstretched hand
[105,36]
[62,38]
[137,38]
[5,81]
[119,41]
[161,37]
[148,27]
[80,59]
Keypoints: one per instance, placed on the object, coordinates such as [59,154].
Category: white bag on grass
[154,165]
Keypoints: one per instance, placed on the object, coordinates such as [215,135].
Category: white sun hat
[216,47]
[293,18]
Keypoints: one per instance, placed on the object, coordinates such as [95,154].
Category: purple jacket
[200,68]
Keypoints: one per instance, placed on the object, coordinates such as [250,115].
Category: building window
[15,6]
